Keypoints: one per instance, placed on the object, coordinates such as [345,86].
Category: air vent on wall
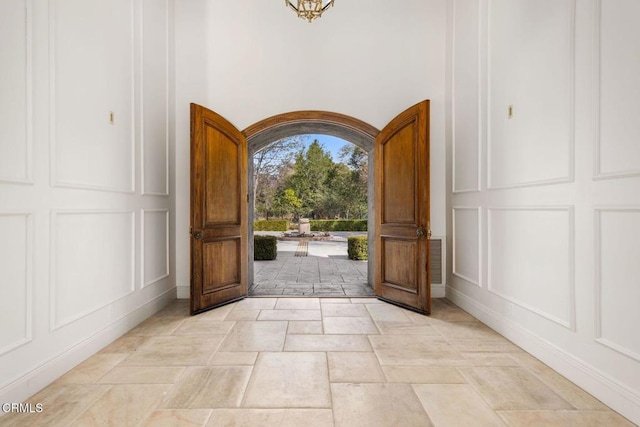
[435,260]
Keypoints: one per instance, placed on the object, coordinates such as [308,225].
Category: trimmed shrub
[338,224]
[265,248]
[271,225]
[357,247]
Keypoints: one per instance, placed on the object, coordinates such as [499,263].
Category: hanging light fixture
[309,9]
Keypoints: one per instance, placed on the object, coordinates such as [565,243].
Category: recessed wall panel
[15,278]
[15,73]
[155,97]
[466,244]
[618,252]
[466,91]
[92,94]
[531,260]
[619,65]
[155,245]
[530,116]
[92,262]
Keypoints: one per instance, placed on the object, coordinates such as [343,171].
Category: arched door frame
[355,131]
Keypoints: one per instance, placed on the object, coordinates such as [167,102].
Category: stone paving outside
[325,271]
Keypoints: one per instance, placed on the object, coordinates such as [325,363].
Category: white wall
[545,206]
[249,60]
[85,208]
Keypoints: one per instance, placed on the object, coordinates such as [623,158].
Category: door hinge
[429,230]
[191,231]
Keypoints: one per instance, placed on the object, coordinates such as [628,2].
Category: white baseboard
[37,379]
[184,292]
[611,392]
[438,291]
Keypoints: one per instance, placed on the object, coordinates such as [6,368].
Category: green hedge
[271,225]
[265,248]
[357,247]
[338,225]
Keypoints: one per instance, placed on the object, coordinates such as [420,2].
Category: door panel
[402,210]
[218,211]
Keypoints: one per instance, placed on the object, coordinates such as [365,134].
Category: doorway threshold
[333,290]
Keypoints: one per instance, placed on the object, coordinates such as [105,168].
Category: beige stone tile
[157,326]
[256,336]
[175,351]
[456,315]
[61,405]
[456,405]
[496,345]
[423,375]
[387,313]
[124,405]
[271,418]
[344,310]
[394,328]
[565,388]
[354,367]
[489,359]
[125,344]
[209,387]
[371,300]
[327,343]
[298,304]
[178,417]
[204,327]
[349,325]
[256,303]
[240,314]
[142,375]
[176,308]
[92,369]
[466,331]
[324,301]
[304,327]
[513,388]
[289,380]
[564,418]
[287,314]
[218,314]
[372,405]
[234,358]
[415,350]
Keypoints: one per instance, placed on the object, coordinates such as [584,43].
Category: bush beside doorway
[357,247]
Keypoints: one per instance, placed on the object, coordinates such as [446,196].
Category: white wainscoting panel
[155,96]
[531,260]
[618,67]
[466,244]
[15,91]
[92,262]
[92,96]
[16,271]
[155,245]
[530,68]
[617,279]
[466,96]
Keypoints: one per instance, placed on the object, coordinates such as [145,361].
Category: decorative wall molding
[597,110]
[142,105]
[28,93]
[28,285]
[55,181]
[477,188]
[598,279]
[571,113]
[478,281]
[149,281]
[55,322]
[569,323]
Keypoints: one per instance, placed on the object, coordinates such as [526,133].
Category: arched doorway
[266,131]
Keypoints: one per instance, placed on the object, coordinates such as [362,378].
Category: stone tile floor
[313,362]
[325,271]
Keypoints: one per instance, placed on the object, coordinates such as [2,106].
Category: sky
[330,143]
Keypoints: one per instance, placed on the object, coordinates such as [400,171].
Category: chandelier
[309,9]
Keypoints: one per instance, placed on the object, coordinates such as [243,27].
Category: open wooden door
[402,228]
[218,211]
